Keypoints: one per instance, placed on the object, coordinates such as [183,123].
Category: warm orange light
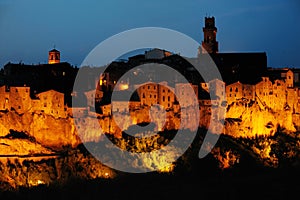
[124,86]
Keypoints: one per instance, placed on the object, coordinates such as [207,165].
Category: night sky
[29,29]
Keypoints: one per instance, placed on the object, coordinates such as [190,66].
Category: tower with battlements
[209,43]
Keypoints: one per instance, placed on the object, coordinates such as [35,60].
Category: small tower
[209,44]
[54,56]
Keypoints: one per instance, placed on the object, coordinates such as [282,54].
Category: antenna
[54,46]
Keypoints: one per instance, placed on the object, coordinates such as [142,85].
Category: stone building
[52,103]
[15,98]
[234,92]
[93,96]
[120,104]
[263,90]
[238,91]
[152,93]
[217,89]
[186,94]
[277,95]
[291,75]
[166,96]
[19,98]
[148,93]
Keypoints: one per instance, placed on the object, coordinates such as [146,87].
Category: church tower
[209,44]
[54,56]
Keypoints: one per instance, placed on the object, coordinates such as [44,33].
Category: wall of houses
[166,96]
[276,95]
[52,103]
[217,88]
[186,94]
[18,99]
[15,98]
[148,93]
[93,96]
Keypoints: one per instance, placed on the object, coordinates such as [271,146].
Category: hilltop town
[48,88]
[44,121]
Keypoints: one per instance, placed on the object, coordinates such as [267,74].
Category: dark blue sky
[29,29]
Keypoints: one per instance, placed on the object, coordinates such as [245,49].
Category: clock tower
[209,44]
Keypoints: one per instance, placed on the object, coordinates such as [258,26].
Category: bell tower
[54,56]
[209,44]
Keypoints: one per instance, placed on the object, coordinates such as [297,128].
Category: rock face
[243,119]
[60,132]
[44,128]
[248,119]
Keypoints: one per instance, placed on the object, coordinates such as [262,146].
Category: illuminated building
[54,56]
